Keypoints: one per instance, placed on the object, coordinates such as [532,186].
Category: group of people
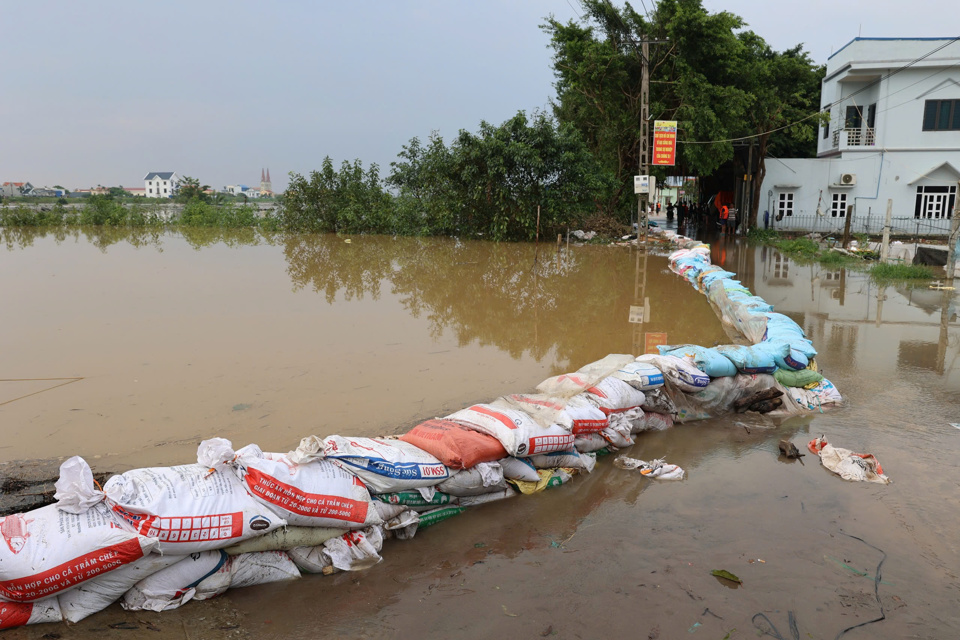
[700,214]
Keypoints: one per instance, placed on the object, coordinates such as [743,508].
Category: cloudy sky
[103,91]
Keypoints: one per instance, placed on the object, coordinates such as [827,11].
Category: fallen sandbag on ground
[188,508]
[858,467]
[656,468]
[49,551]
[316,493]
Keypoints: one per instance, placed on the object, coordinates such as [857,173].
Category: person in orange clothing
[724,219]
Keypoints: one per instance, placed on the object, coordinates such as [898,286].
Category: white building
[161,184]
[894,134]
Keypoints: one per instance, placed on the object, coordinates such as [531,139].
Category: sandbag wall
[157,538]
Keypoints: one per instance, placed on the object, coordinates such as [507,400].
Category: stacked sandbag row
[157,538]
[777,355]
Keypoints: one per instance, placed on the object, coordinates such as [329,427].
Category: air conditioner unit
[848,179]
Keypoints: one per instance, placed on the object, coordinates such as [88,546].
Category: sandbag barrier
[157,538]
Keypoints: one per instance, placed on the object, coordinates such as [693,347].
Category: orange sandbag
[455,445]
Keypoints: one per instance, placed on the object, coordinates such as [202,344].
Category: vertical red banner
[665,142]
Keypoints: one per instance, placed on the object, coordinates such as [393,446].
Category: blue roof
[859,39]
[163,175]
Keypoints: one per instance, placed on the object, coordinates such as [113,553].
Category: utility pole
[846,227]
[953,240]
[643,201]
[885,245]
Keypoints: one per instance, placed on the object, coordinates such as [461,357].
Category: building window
[854,118]
[785,205]
[935,203]
[150,190]
[838,205]
[164,190]
[941,115]
[781,266]
[872,115]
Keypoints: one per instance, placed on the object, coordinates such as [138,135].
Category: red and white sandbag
[18,614]
[317,493]
[384,465]
[48,551]
[188,508]
[570,384]
[612,395]
[519,434]
[99,593]
[453,444]
[575,414]
[175,585]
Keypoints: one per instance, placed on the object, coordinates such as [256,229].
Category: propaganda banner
[665,142]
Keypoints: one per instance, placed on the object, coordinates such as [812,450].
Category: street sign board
[665,142]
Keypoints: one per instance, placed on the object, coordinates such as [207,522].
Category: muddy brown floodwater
[183,336]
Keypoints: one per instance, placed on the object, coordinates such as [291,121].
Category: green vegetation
[808,250]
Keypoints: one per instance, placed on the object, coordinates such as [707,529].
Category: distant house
[161,184]
[893,134]
[136,191]
[46,192]
[15,189]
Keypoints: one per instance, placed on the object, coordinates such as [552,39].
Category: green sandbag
[797,378]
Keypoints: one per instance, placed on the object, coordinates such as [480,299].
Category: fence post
[846,226]
[885,245]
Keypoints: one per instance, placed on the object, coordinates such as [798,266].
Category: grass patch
[901,272]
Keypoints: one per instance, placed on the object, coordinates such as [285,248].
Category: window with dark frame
[935,202]
[941,115]
[838,205]
[826,125]
[784,205]
[872,115]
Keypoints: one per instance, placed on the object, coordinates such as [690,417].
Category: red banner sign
[665,142]
[651,340]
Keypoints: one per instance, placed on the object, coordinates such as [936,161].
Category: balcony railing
[865,137]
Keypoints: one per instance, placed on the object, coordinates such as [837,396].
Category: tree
[117,192]
[191,189]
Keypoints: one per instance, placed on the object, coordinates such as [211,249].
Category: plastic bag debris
[858,467]
[656,468]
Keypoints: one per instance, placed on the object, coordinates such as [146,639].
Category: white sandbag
[100,592]
[18,614]
[640,375]
[263,567]
[475,501]
[48,551]
[557,459]
[612,395]
[683,373]
[485,477]
[618,433]
[575,414]
[588,443]
[188,508]
[404,526]
[383,465]
[175,585]
[856,467]
[657,401]
[519,469]
[353,551]
[519,434]
[657,421]
[317,493]
[570,384]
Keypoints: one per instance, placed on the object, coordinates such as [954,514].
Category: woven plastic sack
[453,444]
[519,434]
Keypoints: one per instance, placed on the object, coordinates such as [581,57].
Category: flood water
[177,337]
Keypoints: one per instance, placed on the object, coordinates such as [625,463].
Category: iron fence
[871,223]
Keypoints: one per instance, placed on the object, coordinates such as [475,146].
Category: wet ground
[267,339]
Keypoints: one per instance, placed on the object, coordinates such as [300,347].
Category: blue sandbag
[713,276]
[708,360]
[759,358]
[792,360]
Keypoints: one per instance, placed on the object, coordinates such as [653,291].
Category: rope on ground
[62,384]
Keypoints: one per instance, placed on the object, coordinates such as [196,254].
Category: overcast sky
[101,92]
